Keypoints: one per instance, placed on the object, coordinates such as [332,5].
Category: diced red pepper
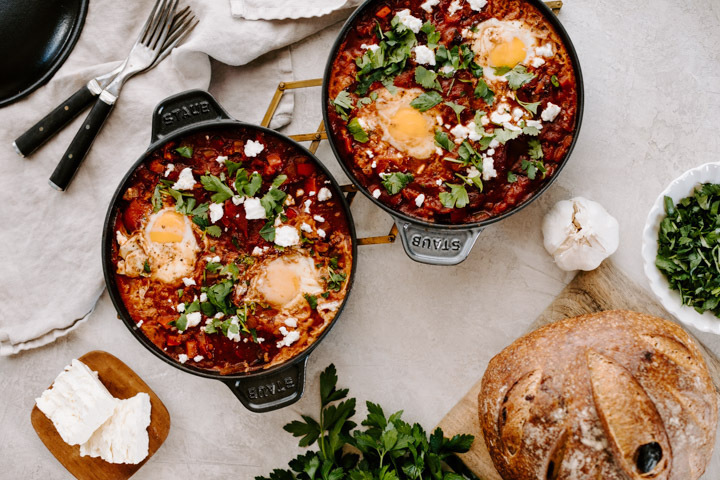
[173,340]
[383,12]
[311,185]
[274,163]
[305,169]
[191,346]
[133,215]
[291,213]
[165,320]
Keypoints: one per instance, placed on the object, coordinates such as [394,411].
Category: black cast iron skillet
[175,117]
[36,37]
[434,243]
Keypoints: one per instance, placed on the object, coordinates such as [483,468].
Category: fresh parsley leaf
[343,104]
[185,151]
[511,177]
[442,140]
[519,76]
[457,197]
[426,101]
[388,60]
[213,267]
[214,231]
[181,323]
[273,201]
[503,135]
[554,80]
[146,267]
[535,152]
[475,181]
[500,71]
[211,183]
[456,108]
[357,131]
[245,185]
[268,231]
[530,107]
[232,167]
[483,91]
[426,78]
[336,280]
[530,130]
[396,181]
[532,167]
[279,180]
[433,37]
[157,201]
[312,300]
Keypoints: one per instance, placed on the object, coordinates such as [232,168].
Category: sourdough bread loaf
[615,395]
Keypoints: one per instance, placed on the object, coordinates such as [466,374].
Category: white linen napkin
[284,9]
[50,241]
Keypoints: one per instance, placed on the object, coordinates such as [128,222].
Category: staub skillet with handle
[175,117]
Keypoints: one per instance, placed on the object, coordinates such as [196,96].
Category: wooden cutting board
[122,383]
[603,289]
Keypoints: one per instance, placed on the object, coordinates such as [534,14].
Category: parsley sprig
[384,448]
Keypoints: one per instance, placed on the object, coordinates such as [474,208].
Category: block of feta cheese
[123,438]
[77,403]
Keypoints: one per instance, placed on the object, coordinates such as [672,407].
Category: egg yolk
[168,228]
[281,283]
[408,123]
[508,54]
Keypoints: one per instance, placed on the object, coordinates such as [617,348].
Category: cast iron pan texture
[175,117]
[36,37]
[350,23]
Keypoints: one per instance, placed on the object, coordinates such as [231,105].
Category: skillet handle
[272,391]
[436,246]
[184,109]
[54,121]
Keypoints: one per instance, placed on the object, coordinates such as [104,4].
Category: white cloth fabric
[50,261]
[284,9]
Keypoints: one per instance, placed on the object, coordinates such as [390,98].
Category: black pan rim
[70,42]
[572,53]
[107,238]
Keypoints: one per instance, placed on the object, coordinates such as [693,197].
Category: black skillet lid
[36,36]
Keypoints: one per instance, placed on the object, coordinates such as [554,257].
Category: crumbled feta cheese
[413,23]
[278,222]
[324,194]
[429,4]
[189,281]
[219,315]
[447,69]
[537,62]
[419,200]
[286,236]
[216,212]
[454,7]
[305,227]
[477,5]
[545,51]
[203,297]
[473,133]
[289,338]
[500,118]
[376,193]
[373,164]
[318,218]
[260,340]
[170,168]
[193,319]
[182,358]
[299,192]
[534,123]
[321,233]
[550,112]
[372,47]
[289,200]
[257,251]
[438,151]
[312,193]
[77,404]
[369,153]
[439,182]
[253,209]
[185,181]
[517,113]
[460,131]
[494,143]
[291,322]
[238,200]
[484,120]
[423,55]
[488,168]
[180,308]
[511,127]
[198,358]
[473,172]
[253,148]
[490,152]
[221,159]
[140,323]
[307,205]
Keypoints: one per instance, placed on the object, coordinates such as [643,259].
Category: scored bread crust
[575,400]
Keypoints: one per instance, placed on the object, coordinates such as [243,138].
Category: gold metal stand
[320,134]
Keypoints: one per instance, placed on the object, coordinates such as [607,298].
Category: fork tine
[163,26]
[165,30]
[178,19]
[178,35]
[150,17]
[155,22]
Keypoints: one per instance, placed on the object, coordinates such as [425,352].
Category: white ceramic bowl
[681,187]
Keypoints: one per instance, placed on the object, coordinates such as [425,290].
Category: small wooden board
[122,383]
[603,289]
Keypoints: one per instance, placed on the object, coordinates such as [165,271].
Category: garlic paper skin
[580,234]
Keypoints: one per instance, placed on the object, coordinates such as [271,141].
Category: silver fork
[142,56]
[53,122]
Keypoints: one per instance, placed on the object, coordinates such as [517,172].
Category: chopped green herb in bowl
[689,248]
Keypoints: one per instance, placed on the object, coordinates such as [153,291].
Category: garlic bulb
[580,234]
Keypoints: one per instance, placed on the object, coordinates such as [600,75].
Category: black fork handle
[54,121]
[80,145]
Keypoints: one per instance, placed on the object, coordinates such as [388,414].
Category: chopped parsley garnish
[457,197]
[475,181]
[185,151]
[336,280]
[483,91]
[213,267]
[247,185]
[459,57]
[519,76]
[689,248]
[433,37]
[530,107]
[343,104]
[535,151]
[312,300]
[456,108]
[232,167]
[511,177]
[357,131]
[426,78]
[532,167]
[504,135]
[396,181]
[214,231]
[268,231]
[425,101]
[146,267]
[157,202]
[528,130]
[442,140]
[554,80]
[211,183]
